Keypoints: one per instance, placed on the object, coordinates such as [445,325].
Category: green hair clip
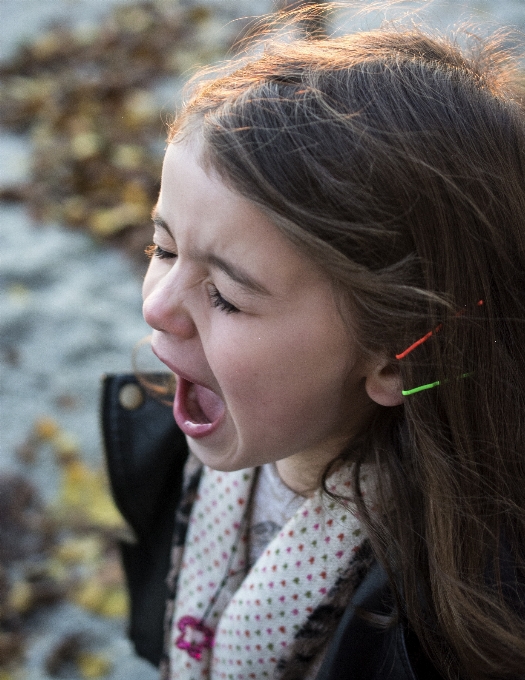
[429,386]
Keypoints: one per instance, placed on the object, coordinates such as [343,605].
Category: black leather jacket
[145,455]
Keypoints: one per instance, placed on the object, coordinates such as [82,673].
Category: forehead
[207,217]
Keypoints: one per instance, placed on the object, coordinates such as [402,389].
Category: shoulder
[362,650]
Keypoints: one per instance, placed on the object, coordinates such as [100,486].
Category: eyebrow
[234,272]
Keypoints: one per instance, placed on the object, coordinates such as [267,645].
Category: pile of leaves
[63,551]
[87,99]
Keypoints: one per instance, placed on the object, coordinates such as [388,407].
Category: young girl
[337,284]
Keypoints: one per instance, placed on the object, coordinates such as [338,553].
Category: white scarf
[251,617]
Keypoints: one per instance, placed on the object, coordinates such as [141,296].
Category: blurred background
[86,88]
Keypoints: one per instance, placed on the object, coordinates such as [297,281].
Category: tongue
[204,406]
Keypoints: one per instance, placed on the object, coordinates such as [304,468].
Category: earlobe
[383,385]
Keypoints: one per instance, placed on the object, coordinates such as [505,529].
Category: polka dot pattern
[256,618]
[213,535]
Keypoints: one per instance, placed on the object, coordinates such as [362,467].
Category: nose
[165,304]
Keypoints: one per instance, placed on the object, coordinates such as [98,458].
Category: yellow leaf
[116,604]
[84,495]
[110,221]
[93,665]
[90,595]
[66,446]
[45,428]
[99,599]
[20,597]
[79,550]
[86,145]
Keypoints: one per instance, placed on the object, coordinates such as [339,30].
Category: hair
[395,160]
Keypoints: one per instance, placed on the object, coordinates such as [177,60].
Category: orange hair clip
[428,335]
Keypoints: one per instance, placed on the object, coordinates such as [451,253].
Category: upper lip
[175,369]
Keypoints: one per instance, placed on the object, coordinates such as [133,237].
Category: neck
[303,472]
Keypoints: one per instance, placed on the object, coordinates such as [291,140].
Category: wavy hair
[395,160]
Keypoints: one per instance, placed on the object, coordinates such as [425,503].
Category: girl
[337,283]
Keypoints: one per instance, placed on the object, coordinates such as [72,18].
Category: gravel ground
[70,311]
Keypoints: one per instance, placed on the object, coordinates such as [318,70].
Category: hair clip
[428,335]
[429,386]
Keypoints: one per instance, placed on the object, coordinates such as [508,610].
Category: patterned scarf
[274,619]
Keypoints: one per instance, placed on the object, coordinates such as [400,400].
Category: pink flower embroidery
[201,636]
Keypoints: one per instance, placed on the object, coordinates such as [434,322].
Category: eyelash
[218,301]
[215,297]
[156,251]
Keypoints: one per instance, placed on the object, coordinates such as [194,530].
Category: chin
[218,462]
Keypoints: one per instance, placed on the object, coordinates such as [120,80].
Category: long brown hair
[396,161]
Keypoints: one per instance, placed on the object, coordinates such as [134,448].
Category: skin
[236,308]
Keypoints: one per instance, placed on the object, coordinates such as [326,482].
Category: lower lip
[182,418]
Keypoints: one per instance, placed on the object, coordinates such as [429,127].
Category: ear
[383,383]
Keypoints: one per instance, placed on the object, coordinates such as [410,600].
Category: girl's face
[266,367]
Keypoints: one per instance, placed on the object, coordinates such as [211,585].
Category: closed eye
[156,251]
[221,303]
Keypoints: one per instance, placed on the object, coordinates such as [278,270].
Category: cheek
[279,377]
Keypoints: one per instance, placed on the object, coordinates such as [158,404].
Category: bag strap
[145,454]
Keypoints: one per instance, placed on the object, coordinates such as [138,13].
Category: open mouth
[197,410]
